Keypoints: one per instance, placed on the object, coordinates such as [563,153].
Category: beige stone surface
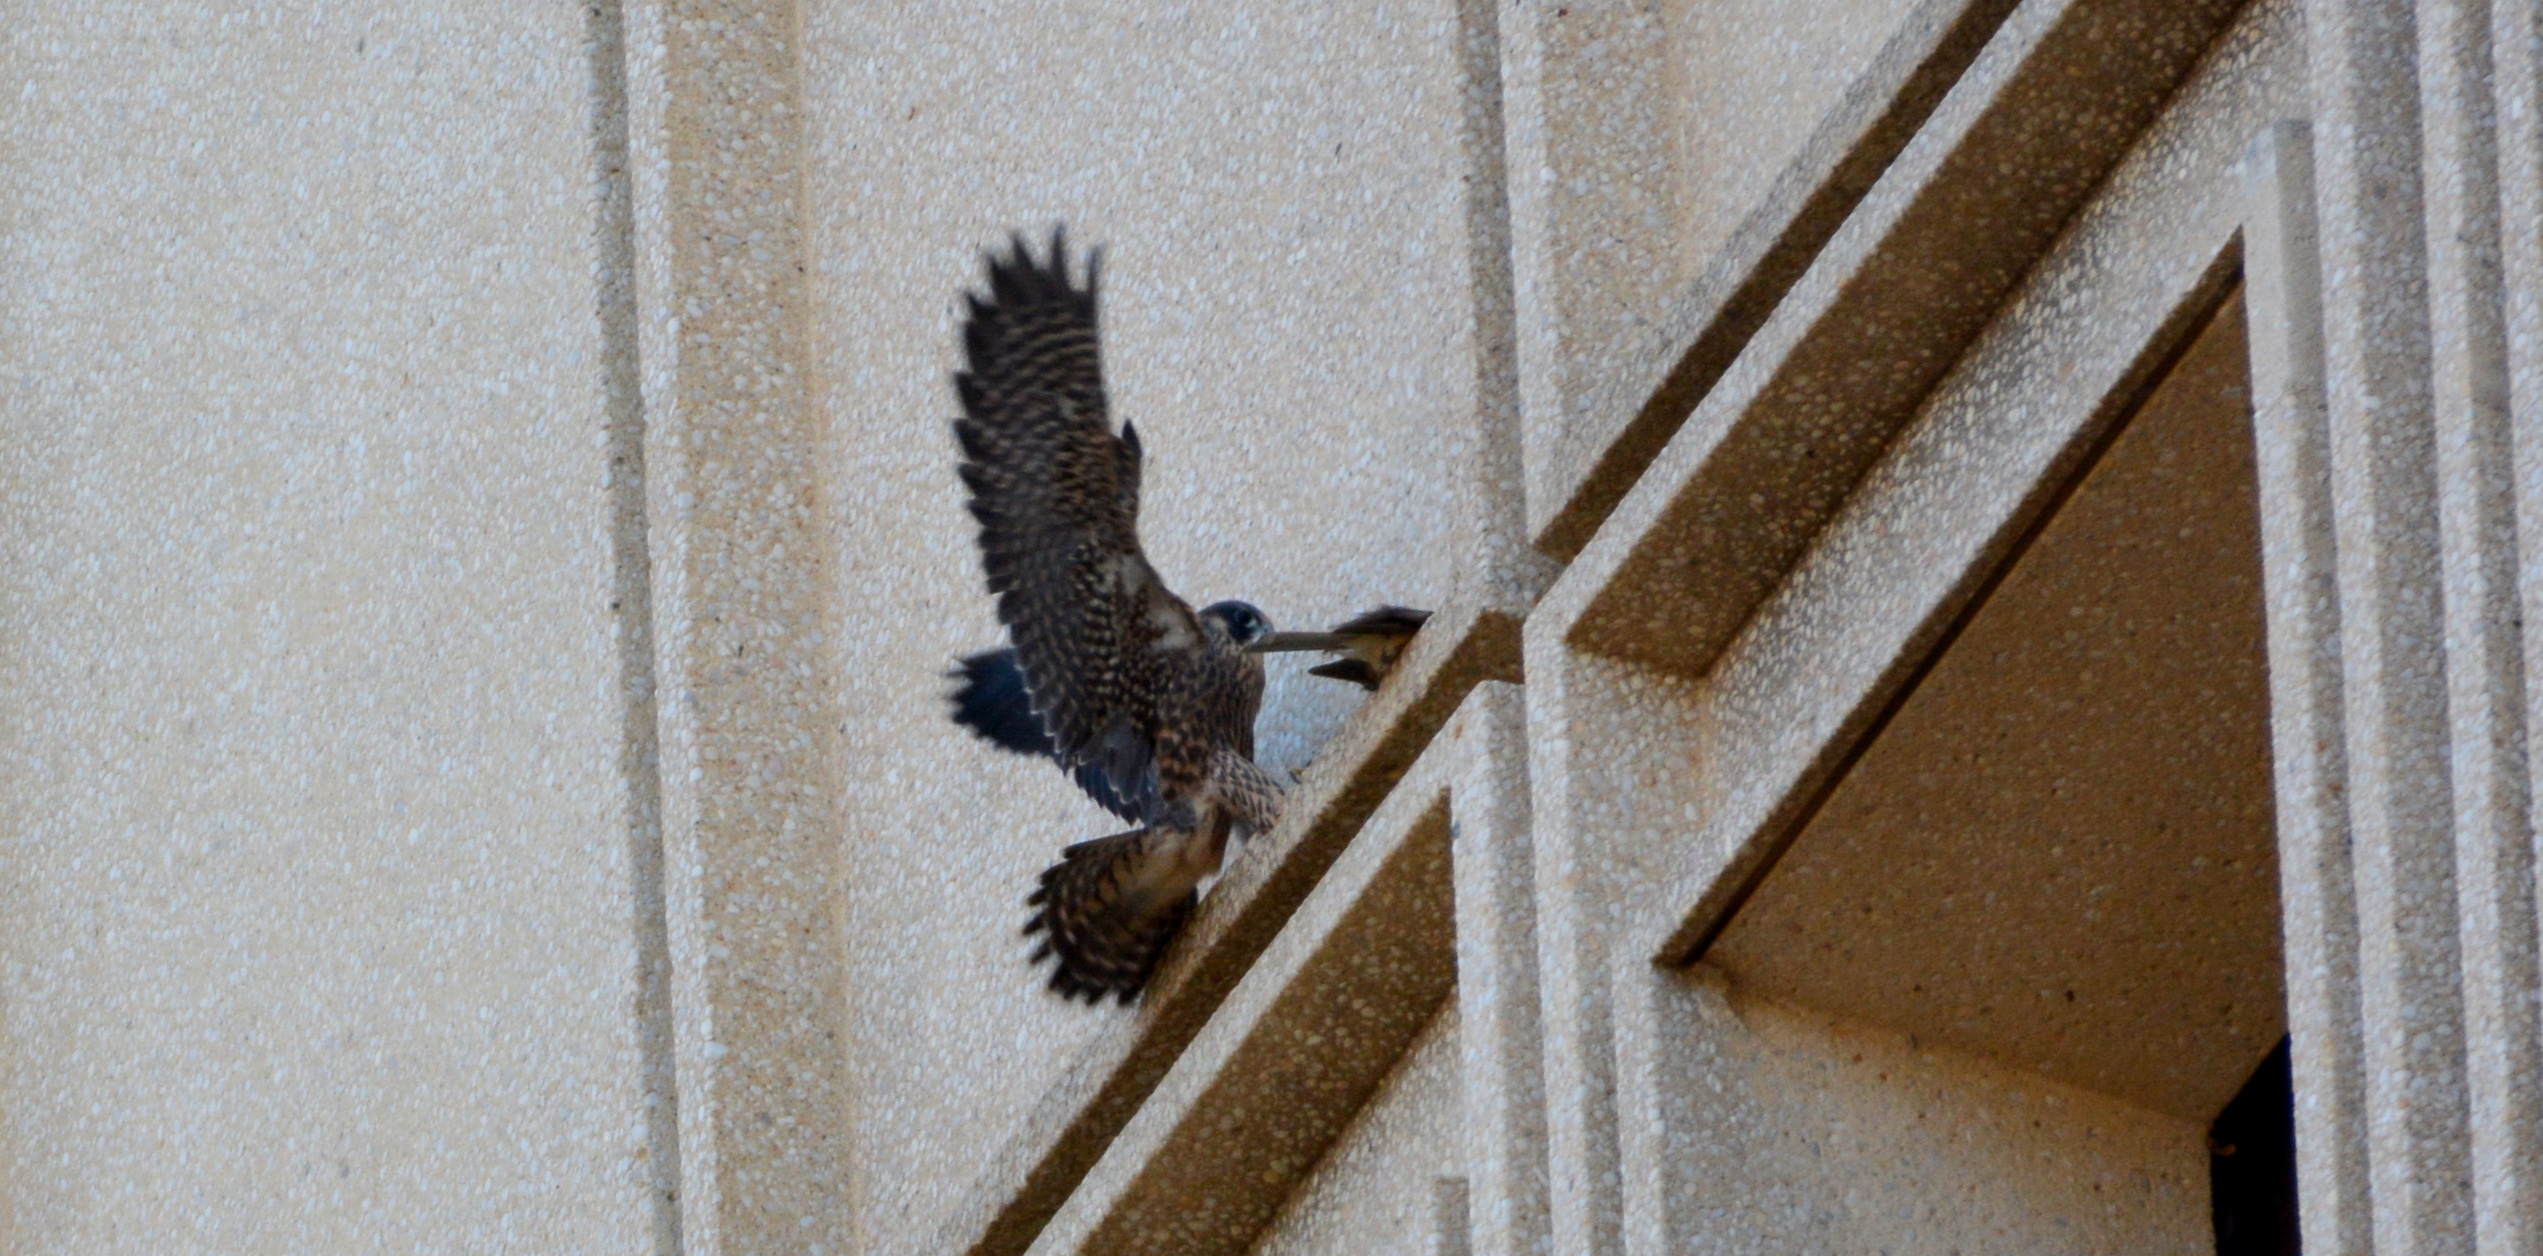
[2376,338]
[2317,874]
[2058,852]
[741,583]
[1750,82]
[479,547]
[2485,635]
[1675,119]
[1788,1132]
[1769,727]
[1657,796]
[1280,195]
[1376,1192]
[1665,180]
[320,915]
[1501,1183]
[1878,322]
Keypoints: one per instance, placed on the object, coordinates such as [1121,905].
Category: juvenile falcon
[1124,676]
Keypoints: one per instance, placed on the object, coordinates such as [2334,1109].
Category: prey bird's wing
[1056,494]
[1384,621]
[1296,642]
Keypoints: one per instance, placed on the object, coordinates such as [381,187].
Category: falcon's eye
[1242,622]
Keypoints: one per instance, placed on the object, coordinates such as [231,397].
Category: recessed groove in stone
[614,249]
[1884,312]
[1703,327]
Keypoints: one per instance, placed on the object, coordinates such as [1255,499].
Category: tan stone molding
[2517,85]
[2516,73]
[1659,798]
[1596,422]
[2107,307]
[2394,657]
[2317,880]
[750,765]
[2484,641]
[1885,310]
[1499,998]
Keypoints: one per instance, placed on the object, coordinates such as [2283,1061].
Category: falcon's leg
[1247,791]
[1183,772]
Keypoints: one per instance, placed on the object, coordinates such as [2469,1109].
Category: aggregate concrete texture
[2317,874]
[1368,1193]
[1848,357]
[1657,130]
[321,926]
[2060,851]
[1789,1131]
[1659,796]
[2035,505]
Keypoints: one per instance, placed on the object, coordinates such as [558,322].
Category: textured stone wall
[323,926]
[1984,555]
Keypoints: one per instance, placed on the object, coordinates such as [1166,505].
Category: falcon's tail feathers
[1108,910]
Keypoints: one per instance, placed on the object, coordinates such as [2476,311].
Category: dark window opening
[2252,1164]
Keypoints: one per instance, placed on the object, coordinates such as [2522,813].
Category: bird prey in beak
[1369,644]
[1125,678]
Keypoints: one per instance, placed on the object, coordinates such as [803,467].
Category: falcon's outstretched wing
[1056,493]
[992,702]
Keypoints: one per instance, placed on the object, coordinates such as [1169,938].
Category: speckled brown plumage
[1126,679]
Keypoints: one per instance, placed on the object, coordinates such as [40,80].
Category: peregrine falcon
[1124,676]
[1368,642]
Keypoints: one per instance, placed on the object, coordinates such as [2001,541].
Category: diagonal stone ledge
[1292,1053]
[1026,1182]
[1626,419]
[2062,92]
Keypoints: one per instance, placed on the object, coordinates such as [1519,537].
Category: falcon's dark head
[1234,624]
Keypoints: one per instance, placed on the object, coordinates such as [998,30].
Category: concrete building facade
[1986,558]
